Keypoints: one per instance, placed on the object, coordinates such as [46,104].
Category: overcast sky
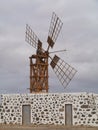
[79,36]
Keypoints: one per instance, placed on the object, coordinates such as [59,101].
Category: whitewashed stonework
[49,108]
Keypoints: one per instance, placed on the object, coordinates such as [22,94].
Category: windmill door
[68,114]
[26,114]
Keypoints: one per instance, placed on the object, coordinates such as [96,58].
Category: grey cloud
[79,36]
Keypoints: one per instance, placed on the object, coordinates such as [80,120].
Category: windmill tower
[39,62]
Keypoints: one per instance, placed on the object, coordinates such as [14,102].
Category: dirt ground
[13,127]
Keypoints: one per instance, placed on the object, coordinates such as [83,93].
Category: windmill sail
[55,27]
[63,70]
[31,37]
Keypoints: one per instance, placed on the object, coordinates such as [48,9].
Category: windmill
[39,62]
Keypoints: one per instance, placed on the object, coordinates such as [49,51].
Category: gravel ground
[11,127]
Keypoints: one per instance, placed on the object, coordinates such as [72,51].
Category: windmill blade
[55,27]
[63,70]
[31,37]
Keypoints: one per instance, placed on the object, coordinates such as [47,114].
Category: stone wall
[49,108]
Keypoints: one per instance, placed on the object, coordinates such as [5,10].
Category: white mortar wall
[49,108]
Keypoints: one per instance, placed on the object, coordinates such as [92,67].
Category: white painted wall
[49,108]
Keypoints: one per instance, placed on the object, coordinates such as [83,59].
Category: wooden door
[26,114]
[68,114]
